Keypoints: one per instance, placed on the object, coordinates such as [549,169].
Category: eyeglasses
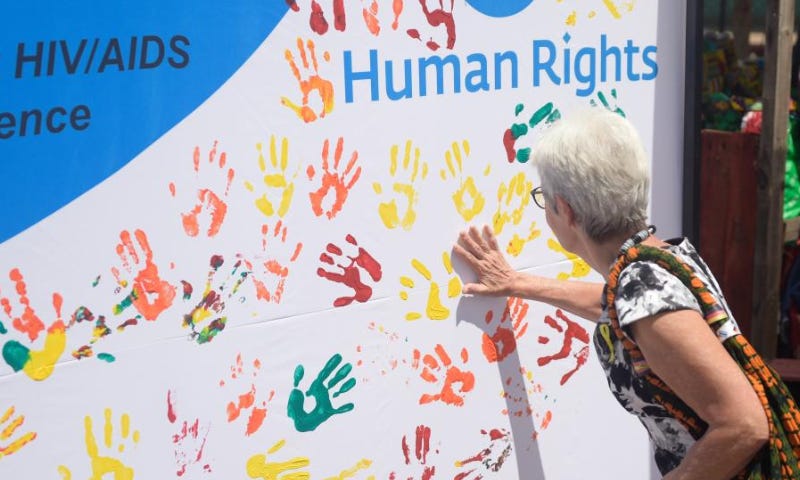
[538,197]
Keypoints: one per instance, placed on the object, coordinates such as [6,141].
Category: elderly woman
[663,360]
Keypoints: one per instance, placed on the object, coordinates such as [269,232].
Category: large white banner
[227,236]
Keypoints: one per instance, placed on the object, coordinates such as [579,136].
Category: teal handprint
[545,115]
[603,101]
[320,392]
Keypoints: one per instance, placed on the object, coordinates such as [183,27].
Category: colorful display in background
[227,246]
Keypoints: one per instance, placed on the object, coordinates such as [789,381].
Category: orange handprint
[9,430]
[452,373]
[370,13]
[340,183]
[511,327]
[275,266]
[247,401]
[37,364]
[311,83]
[207,200]
[276,179]
[437,17]
[149,295]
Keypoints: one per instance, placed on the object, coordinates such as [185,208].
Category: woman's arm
[496,277]
[685,353]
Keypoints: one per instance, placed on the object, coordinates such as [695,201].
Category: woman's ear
[565,209]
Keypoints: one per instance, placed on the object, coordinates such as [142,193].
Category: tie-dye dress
[646,289]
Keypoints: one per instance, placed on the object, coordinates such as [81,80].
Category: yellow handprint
[579,267]
[615,8]
[468,201]
[275,178]
[512,202]
[10,429]
[434,309]
[388,211]
[351,472]
[258,467]
[103,465]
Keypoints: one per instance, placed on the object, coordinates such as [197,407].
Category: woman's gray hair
[595,161]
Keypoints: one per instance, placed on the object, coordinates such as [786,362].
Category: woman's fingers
[491,240]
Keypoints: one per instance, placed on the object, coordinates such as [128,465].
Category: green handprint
[323,409]
[603,101]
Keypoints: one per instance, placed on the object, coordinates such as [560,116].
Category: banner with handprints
[226,243]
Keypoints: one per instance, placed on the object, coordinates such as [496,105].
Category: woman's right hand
[481,251]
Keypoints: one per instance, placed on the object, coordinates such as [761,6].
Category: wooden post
[770,168]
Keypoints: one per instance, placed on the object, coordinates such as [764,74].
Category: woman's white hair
[595,161]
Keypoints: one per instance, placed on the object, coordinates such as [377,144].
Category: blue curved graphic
[86,86]
[499,8]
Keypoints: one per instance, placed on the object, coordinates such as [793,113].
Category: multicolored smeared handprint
[434,308]
[539,120]
[309,81]
[258,467]
[109,461]
[441,28]
[190,443]
[210,207]
[253,402]
[349,271]
[511,326]
[417,464]
[616,9]
[37,364]
[278,180]
[512,204]
[467,199]
[410,169]
[573,331]
[212,301]
[490,459]
[443,373]
[579,266]
[335,185]
[271,272]
[149,294]
[320,391]
[10,441]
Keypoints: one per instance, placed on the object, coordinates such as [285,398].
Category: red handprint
[573,331]
[317,19]
[332,179]
[452,375]
[150,294]
[437,17]
[350,275]
[422,447]
[189,441]
[207,200]
[512,326]
[276,266]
